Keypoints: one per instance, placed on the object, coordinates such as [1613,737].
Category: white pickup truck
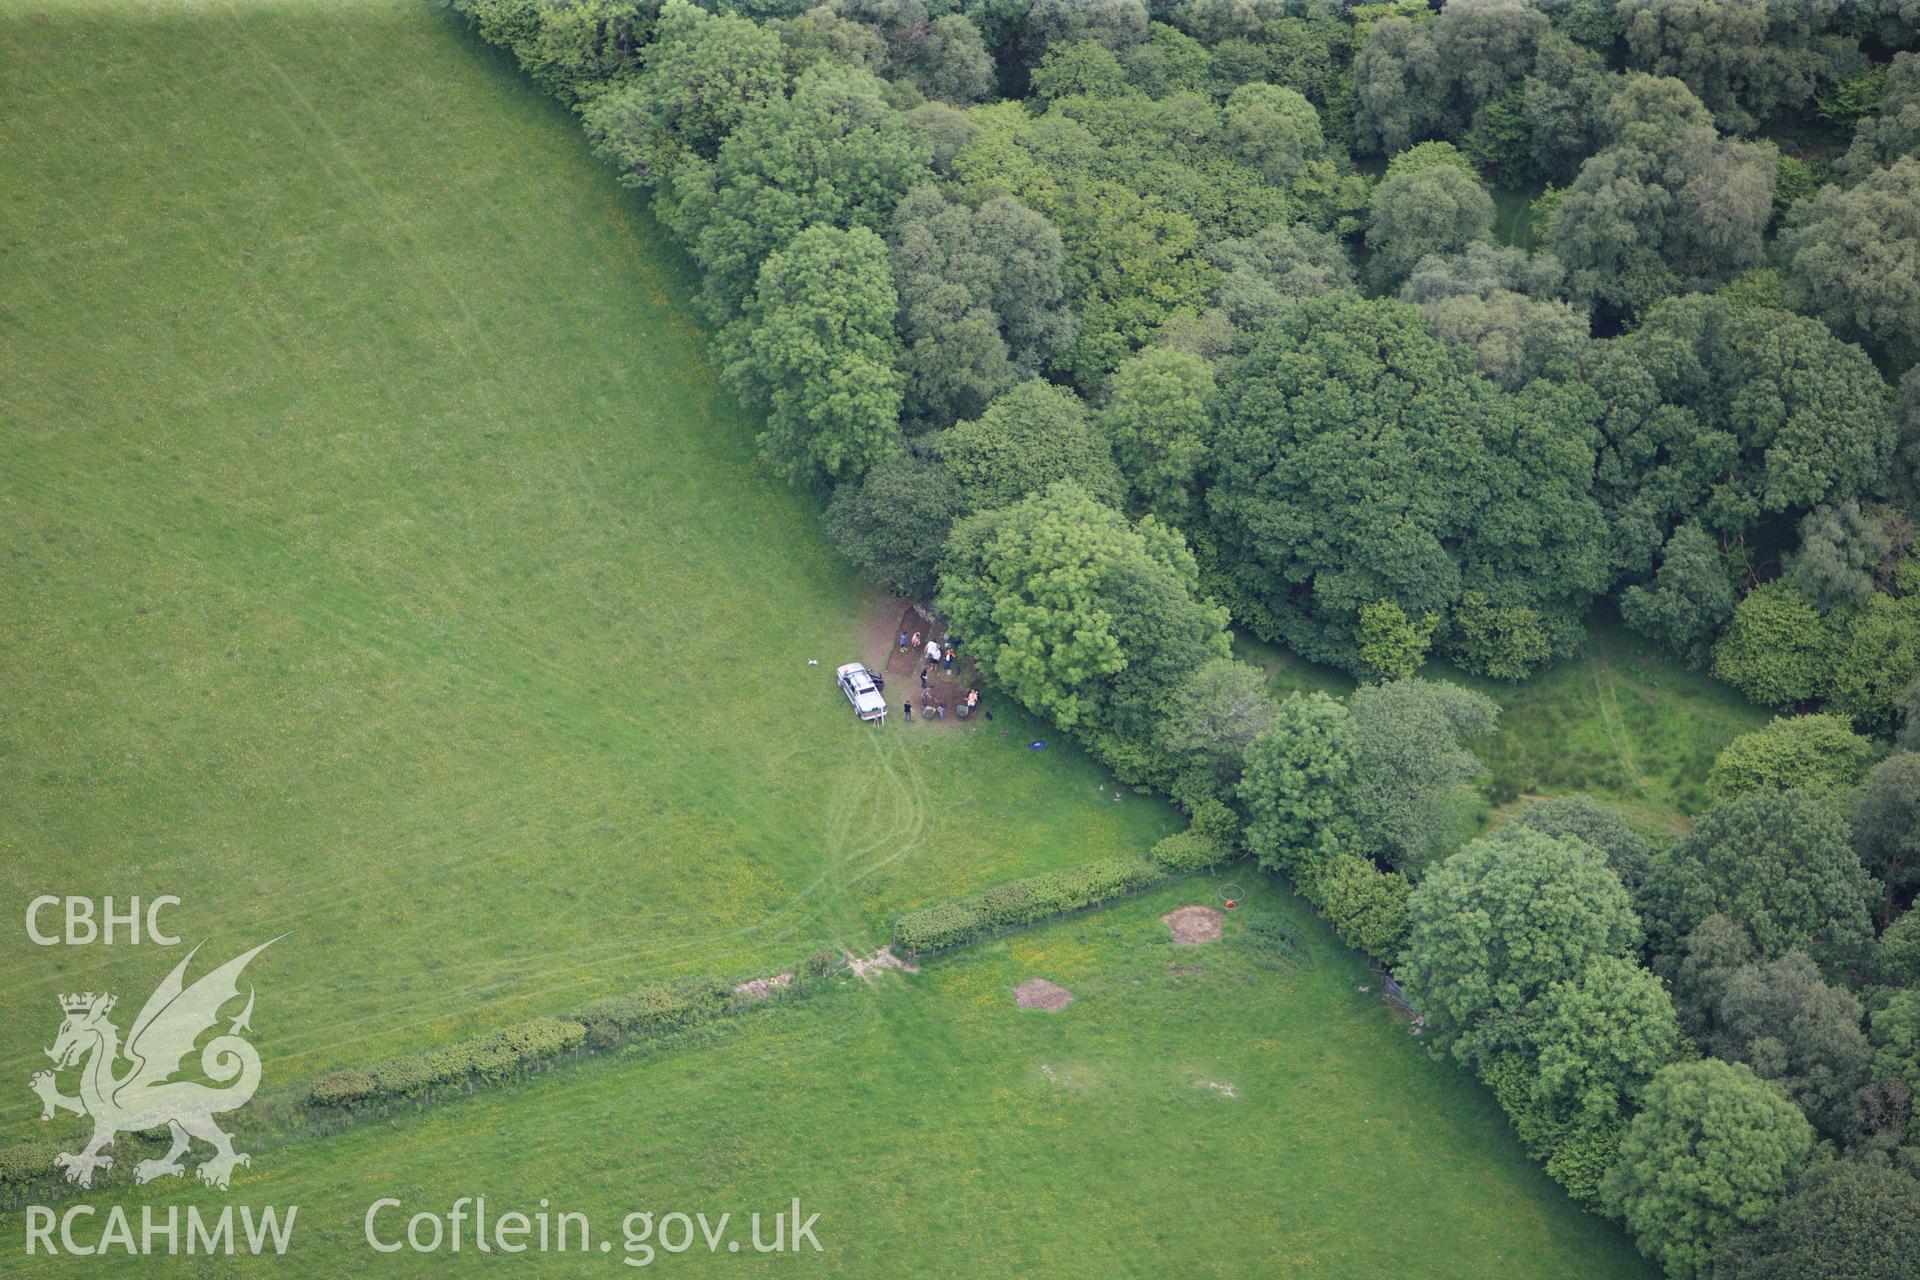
[862,691]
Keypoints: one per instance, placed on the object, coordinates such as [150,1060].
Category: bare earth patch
[865,966]
[1038,993]
[1193,925]
[761,988]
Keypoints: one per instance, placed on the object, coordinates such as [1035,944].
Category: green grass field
[383,564]
[939,1130]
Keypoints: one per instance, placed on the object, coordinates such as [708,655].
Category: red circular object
[1231,904]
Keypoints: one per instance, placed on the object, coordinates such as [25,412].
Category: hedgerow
[526,1047]
[1021,902]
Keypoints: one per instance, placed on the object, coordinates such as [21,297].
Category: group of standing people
[937,653]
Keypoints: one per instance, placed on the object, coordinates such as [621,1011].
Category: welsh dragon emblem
[145,1095]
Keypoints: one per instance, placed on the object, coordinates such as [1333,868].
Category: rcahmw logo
[148,1095]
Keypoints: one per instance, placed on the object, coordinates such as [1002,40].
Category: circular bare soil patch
[1193,925]
[1038,993]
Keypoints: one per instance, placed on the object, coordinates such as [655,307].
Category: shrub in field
[26,1162]
[945,924]
[654,1008]
[1073,888]
[342,1088]
[1366,906]
[1821,753]
[1188,851]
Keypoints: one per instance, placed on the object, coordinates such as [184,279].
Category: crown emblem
[83,1002]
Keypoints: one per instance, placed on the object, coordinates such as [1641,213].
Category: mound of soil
[1038,993]
[1193,925]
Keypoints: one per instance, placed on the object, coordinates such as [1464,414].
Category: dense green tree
[1427,155]
[1392,646]
[699,75]
[817,349]
[1562,102]
[1656,459]
[1496,925]
[1082,616]
[1208,334]
[1819,753]
[822,36]
[1483,268]
[570,48]
[951,61]
[1159,421]
[1297,786]
[1582,817]
[894,522]
[1689,600]
[1894,131]
[1212,720]
[1132,262]
[1845,1221]
[1420,79]
[1409,752]
[1168,61]
[982,300]
[942,57]
[1275,129]
[1085,68]
[1358,460]
[1886,826]
[1268,271]
[1497,303]
[1853,260]
[1716,949]
[1905,486]
[834,152]
[1117,24]
[944,130]
[1773,650]
[1028,438]
[1874,653]
[1747,61]
[1265,41]
[1500,637]
[1435,210]
[1712,1153]
[1599,1038]
[1896,960]
[1779,1018]
[1782,651]
[1180,152]
[1907,709]
[1366,906]
[1667,206]
[1780,862]
[1779,416]
[1896,1038]
[1330,197]
[1840,547]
